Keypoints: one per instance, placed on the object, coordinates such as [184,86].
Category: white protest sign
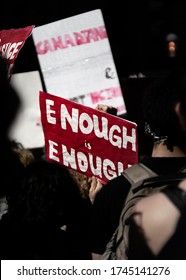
[27,127]
[76,60]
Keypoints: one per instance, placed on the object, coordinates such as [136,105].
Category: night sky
[137,30]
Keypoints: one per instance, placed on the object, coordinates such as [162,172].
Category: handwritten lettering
[10,50]
[86,124]
[105,94]
[84,162]
[78,99]
[71,40]
[100,96]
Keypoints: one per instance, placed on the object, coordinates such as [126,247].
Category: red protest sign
[11,41]
[85,139]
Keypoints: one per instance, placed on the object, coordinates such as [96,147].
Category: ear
[181,115]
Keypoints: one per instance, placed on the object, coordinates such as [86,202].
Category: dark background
[137,30]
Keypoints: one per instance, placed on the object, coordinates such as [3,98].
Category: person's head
[162,103]
[24,155]
[83,182]
[46,195]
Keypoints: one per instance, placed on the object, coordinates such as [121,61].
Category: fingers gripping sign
[95,187]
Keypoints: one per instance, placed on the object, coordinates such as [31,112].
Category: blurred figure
[10,102]
[21,157]
[160,103]
[11,167]
[46,218]
[158,221]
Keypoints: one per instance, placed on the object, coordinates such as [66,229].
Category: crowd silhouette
[48,211]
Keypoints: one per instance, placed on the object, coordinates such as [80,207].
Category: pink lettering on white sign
[71,40]
[76,60]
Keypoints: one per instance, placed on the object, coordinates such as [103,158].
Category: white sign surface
[27,128]
[76,60]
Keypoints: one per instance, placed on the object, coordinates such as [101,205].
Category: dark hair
[159,103]
[25,155]
[47,195]
[46,216]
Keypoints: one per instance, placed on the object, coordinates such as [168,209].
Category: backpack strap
[137,173]
[140,176]
[183,169]
[143,182]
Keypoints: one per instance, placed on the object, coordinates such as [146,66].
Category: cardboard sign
[76,61]
[85,139]
[11,42]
